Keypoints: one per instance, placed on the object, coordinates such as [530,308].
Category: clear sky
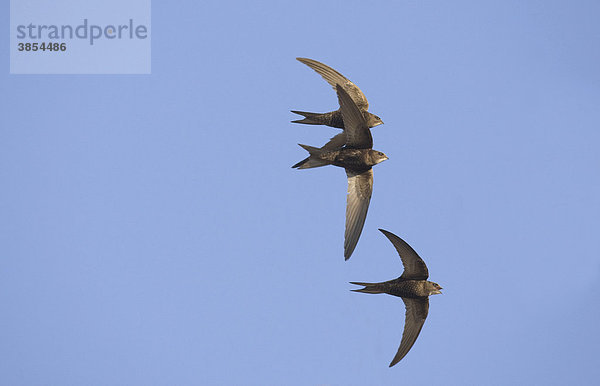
[152,231]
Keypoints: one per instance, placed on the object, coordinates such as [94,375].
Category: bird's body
[334,118]
[414,289]
[356,160]
[403,288]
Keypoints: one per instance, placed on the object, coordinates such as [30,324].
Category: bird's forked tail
[310,118]
[314,160]
[370,288]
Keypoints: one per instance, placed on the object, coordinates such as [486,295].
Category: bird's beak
[382,159]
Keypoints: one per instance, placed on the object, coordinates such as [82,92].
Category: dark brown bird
[414,289]
[334,118]
[357,157]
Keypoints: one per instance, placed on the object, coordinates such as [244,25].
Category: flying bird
[357,157]
[414,289]
[334,118]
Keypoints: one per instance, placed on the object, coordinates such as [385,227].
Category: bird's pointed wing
[360,187]
[336,142]
[416,313]
[357,131]
[414,266]
[333,77]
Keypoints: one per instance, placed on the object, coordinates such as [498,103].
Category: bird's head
[434,288]
[377,157]
[373,120]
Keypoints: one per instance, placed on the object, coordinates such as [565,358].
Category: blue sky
[152,231]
